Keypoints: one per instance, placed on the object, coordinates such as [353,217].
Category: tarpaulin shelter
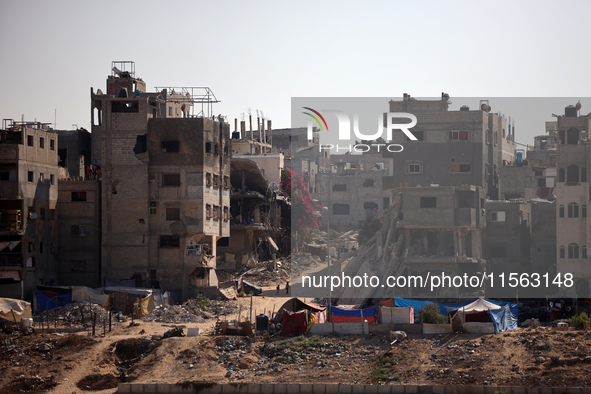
[499,315]
[396,315]
[295,305]
[49,297]
[294,323]
[342,315]
[12,309]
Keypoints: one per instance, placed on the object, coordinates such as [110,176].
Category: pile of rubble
[175,314]
[79,314]
[269,273]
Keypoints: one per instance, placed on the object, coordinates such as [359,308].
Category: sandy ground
[525,357]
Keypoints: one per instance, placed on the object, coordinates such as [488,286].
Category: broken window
[368,183]
[572,174]
[208,147]
[141,144]
[171,179]
[30,176]
[226,182]
[170,241]
[340,187]
[125,106]
[207,211]
[458,135]
[30,140]
[170,146]
[41,142]
[226,214]
[572,136]
[498,216]
[460,167]
[52,179]
[216,181]
[173,213]
[207,179]
[340,209]
[541,182]
[216,212]
[428,202]
[78,196]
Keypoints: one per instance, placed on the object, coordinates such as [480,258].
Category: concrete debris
[75,315]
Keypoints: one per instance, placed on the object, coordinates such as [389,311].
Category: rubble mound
[34,384]
[175,314]
[98,382]
[77,314]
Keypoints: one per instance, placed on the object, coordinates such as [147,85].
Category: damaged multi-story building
[573,196]
[28,195]
[353,189]
[259,217]
[165,166]
[453,148]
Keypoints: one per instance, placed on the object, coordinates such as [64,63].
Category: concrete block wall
[322,388]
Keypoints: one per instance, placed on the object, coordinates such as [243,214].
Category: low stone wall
[321,388]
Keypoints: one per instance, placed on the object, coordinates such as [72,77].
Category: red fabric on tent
[294,323]
[478,317]
[390,303]
[353,319]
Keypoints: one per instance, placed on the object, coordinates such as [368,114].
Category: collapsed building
[259,218]
[435,229]
[165,166]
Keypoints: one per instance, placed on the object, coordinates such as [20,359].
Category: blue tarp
[47,299]
[504,318]
[418,304]
[335,310]
[342,315]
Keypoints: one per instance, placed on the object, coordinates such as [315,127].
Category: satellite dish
[578,106]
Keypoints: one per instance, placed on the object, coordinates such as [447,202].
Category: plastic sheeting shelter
[502,315]
[294,323]
[341,315]
[11,309]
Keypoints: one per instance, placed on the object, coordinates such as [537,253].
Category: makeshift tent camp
[485,316]
[294,323]
[48,297]
[342,315]
[295,305]
[396,315]
[15,310]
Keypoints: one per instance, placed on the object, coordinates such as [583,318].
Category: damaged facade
[258,215]
[353,189]
[474,143]
[28,196]
[573,197]
[165,183]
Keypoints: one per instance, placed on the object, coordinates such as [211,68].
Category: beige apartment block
[573,227]
[28,196]
[165,183]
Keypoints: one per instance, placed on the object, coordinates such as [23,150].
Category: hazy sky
[259,54]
